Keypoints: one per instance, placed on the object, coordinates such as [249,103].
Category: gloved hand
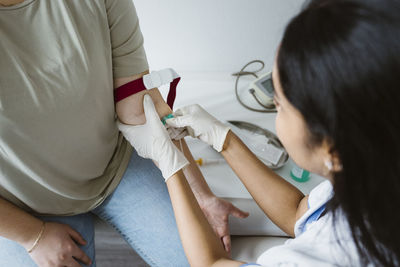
[176,133]
[199,123]
[151,140]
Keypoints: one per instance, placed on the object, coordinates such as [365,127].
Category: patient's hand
[217,212]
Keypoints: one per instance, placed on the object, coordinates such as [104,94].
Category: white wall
[215,35]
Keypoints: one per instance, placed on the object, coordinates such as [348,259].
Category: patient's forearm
[194,176]
[130,111]
[18,225]
[276,197]
[201,245]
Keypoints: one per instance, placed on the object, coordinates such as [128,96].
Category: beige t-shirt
[60,149]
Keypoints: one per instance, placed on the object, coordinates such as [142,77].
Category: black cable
[268,109]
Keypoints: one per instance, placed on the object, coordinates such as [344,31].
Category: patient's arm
[130,111]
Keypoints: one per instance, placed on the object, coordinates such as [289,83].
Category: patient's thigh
[14,255]
[140,210]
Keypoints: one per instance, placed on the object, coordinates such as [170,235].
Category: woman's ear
[336,163]
[331,159]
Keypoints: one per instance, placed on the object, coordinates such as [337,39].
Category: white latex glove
[199,123]
[151,140]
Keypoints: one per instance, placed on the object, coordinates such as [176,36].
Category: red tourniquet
[136,86]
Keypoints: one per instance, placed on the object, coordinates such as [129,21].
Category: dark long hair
[339,65]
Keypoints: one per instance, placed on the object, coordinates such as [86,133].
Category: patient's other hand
[217,212]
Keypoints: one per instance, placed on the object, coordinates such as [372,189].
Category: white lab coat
[316,244]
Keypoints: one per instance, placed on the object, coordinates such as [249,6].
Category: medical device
[263,143]
[264,89]
[261,89]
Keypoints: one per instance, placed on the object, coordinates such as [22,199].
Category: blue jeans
[139,209]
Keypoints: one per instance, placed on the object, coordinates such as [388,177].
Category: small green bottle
[299,175]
